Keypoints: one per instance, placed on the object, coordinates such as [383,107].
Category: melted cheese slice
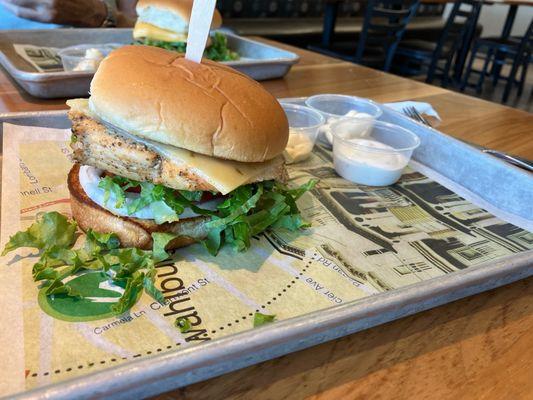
[223,175]
[146,30]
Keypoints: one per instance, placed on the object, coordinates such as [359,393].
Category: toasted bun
[207,108]
[173,15]
[132,232]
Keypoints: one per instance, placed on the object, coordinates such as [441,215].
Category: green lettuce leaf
[165,203]
[111,187]
[292,222]
[96,242]
[183,324]
[180,47]
[252,209]
[262,319]
[163,213]
[161,240]
[245,212]
[54,236]
[213,242]
[217,51]
[192,196]
[51,229]
[132,292]
[150,289]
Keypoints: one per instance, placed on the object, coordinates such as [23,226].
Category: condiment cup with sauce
[304,123]
[337,106]
[85,57]
[372,155]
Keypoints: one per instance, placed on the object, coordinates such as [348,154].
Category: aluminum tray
[260,61]
[164,372]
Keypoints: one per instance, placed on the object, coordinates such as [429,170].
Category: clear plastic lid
[338,105]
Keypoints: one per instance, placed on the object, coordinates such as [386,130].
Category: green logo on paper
[98,296]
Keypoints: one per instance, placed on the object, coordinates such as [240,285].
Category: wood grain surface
[476,348]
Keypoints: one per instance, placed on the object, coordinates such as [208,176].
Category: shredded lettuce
[250,210]
[180,47]
[166,204]
[262,319]
[246,211]
[217,51]
[51,229]
[110,186]
[183,324]
[54,236]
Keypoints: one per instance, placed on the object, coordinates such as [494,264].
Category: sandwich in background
[165,24]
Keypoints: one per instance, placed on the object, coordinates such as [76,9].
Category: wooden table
[477,348]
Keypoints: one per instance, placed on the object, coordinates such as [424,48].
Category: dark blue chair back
[457,35]
[384,25]
[526,43]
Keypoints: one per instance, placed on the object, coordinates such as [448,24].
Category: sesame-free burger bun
[208,108]
[173,15]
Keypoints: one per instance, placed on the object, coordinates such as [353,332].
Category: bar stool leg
[468,71]
[330,20]
[511,80]
[479,86]
[497,65]
[525,66]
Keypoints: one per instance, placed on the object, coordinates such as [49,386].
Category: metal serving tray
[260,61]
[163,372]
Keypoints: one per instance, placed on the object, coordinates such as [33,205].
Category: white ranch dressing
[90,62]
[380,167]
[90,178]
[326,128]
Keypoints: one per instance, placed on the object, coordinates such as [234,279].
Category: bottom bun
[132,232]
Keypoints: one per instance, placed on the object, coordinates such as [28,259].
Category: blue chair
[497,52]
[451,48]
[384,24]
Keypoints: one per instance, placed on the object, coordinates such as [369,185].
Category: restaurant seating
[383,27]
[300,22]
[498,52]
[450,50]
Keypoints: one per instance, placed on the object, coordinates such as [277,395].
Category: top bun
[207,108]
[173,15]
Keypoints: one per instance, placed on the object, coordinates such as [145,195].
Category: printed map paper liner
[364,241]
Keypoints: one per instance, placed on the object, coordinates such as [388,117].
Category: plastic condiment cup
[72,56]
[337,106]
[304,123]
[371,154]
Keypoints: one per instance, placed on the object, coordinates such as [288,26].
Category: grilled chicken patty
[97,146]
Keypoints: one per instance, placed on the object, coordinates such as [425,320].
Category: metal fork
[519,162]
[413,113]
